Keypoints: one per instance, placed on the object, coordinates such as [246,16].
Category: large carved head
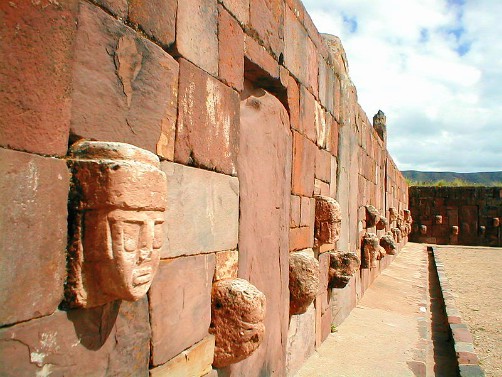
[370,251]
[117,209]
[328,220]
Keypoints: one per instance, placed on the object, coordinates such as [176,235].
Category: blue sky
[434,67]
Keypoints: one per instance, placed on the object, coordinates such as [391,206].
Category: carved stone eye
[130,234]
[157,236]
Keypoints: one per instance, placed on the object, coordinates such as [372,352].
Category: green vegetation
[448,179]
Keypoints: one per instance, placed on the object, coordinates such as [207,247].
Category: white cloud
[434,67]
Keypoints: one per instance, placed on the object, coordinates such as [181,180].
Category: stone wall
[252,114]
[457,215]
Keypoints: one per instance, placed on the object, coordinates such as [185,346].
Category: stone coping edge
[467,359]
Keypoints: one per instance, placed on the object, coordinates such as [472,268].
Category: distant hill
[483,178]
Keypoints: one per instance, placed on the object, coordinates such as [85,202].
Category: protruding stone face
[423,229]
[342,266]
[303,281]
[396,232]
[237,316]
[372,216]
[393,214]
[371,251]
[438,219]
[495,222]
[382,223]
[407,215]
[117,205]
[328,219]
[482,230]
[388,243]
[454,230]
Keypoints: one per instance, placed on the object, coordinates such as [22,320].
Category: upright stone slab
[33,232]
[264,171]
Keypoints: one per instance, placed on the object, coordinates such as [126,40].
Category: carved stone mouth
[142,276]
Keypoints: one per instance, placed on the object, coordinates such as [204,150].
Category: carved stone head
[423,230]
[495,222]
[342,266]
[117,204]
[393,214]
[438,219]
[237,320]
[388,243]
[407,215]
[398,235]
[370,251]
[454,230]
[303,281]
[372,216]
[382,223]
[482,230]
[328,219]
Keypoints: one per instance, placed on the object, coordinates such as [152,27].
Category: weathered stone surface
[231,50]
[111,340]
[156,18]
[33,231]
[208,120]
[304,155]
[124,86]
[264,170]
[388,243]
[393,214]
[180,315]
[239,8]
[295,211]
[203,211]
[323,166]
[328,220]
[326,85]
[398,235]
[266,17]
[382,223]
[294,103]
[198,18]
[116,207]
[237,315]
[307,212]
[227,264]
[301,340]
[301,238]
[303,281]
[438,219]
[308,114]
[370,251]
[320,126]
[266,65]
[372,216]
[342,266]
[36,55]
[119,8]
[195,361]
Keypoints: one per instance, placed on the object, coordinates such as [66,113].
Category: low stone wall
[243,116]
[456,215]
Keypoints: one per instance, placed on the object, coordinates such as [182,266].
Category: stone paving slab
[388,333]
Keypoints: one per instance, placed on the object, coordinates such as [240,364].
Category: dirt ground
[475,276]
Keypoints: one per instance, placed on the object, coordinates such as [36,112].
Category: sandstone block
[323,166]
[304,156]
[320,126]
[328,219]
[197,33]
[308,114]
[342,267]
[156,18]
[301,238]
[307,212]
[293,93]
[237,315]
[36,56]
[33,235]
[231,50]
[195,361]
[295,47]
[208,120]
[239,8]
[203,211]
[124,86]
[326,85]
[266,17]
[259,56]
[295,211]
[108,340]
[303,281]
[185,320]
[119,8]
[301,340]
[227,265]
